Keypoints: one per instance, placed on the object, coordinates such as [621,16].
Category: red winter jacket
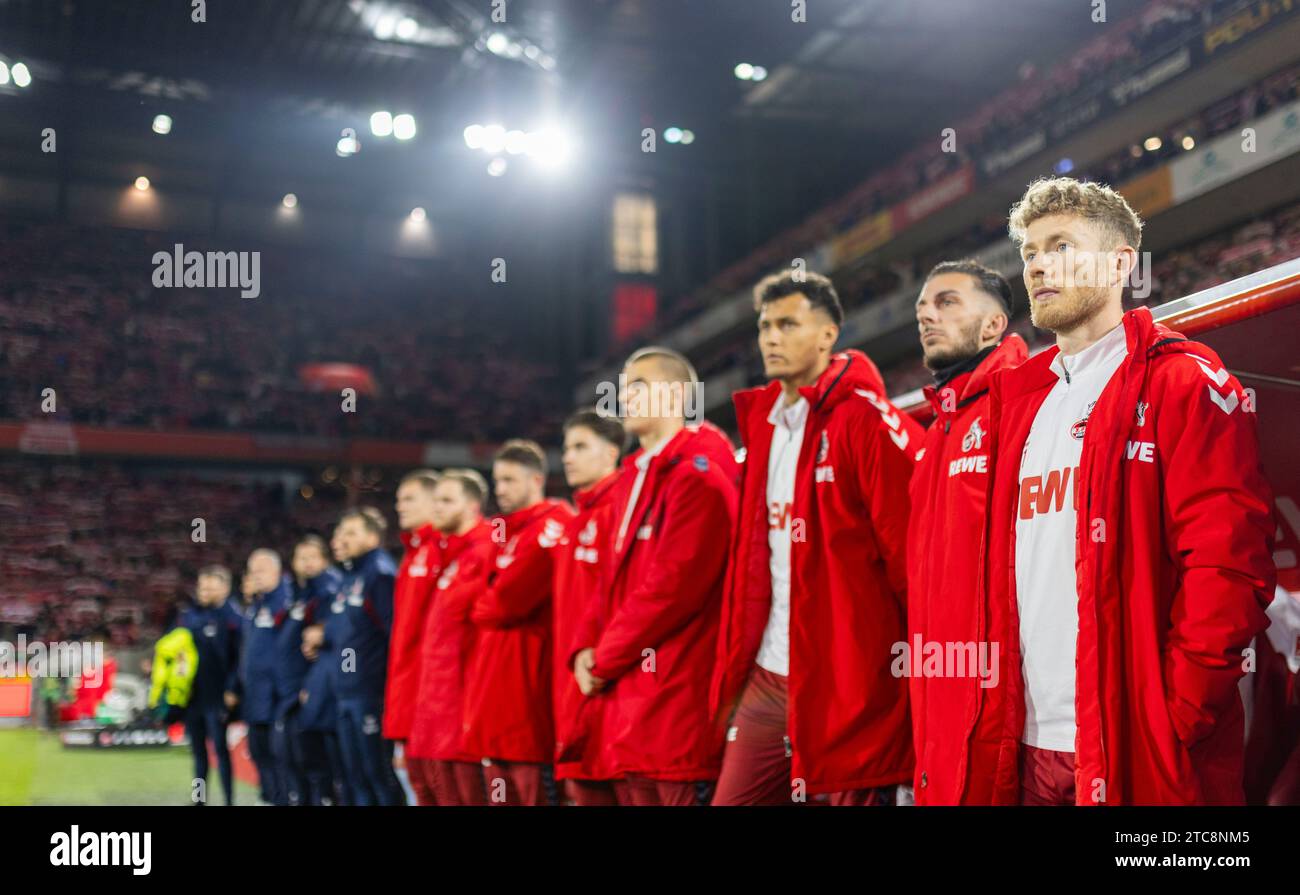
[949,493]
[508,694]
[847,714]
[446,644]
[1174,572]
[585,544]
[412,591]
[655,630]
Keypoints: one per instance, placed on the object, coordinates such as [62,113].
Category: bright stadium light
[381,123]
[516,142]
[688,137]
[673,134]
[1153,143]
[547,62]
[1188,143]
[404,126]
[407,28]
[142,184]
[22,77]
[386,26]
[474,136]
[418,214]
[494,139]
[550,147]
[497,167]
[289,200]
[744,71]
[4,73]
[162,124]
[759,73]
[498,43]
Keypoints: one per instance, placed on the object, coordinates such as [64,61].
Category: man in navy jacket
[354,641]
[215,625]
[271,594]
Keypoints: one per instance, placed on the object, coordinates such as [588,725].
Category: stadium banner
[1237,153]
[1151,193]
[869,233]
[1247,22]
[1140,84]
[938,195]
[999,160]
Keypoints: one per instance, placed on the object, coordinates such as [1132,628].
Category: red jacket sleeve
[515,593]
[884,472]
[1218,512]
[685,575]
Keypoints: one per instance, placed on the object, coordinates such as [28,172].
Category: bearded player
[1129,537]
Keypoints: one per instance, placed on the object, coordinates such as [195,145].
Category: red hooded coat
[847,715]
[1174,570]
[949,493]
[655,630]
[508,692]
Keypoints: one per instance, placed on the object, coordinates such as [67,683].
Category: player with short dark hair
[592,446]
[818,589]
[961,315]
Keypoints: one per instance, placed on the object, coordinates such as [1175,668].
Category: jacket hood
[848,370]
[705,440]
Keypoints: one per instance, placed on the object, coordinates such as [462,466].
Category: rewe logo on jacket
[1046,494]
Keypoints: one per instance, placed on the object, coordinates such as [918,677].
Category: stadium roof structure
[262,88]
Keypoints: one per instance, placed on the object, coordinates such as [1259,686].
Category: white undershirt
[782,462]
[642,467]
[1046,586]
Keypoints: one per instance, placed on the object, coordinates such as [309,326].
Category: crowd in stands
[79,314]
[103,549]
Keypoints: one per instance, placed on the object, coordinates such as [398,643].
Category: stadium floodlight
[474,136]
[547,62]
[516,142]
[404,126]
[532,51]
[418,214]
[759,73]
[162,124]
[497,166]
[673,134]
[22,77]
[407,28]
[550,147]
[4,73]
[1065,166]
[498,43]
[494,139]
[688,137]
[289,200]
[142,184]
[744,71]
[381,123]
[1188,143]
[386,26]
[514,50]
[1153,143]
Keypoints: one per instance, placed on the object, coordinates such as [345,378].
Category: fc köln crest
[824,450]
[974,437]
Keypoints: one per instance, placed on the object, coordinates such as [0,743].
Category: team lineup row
[1047,597]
